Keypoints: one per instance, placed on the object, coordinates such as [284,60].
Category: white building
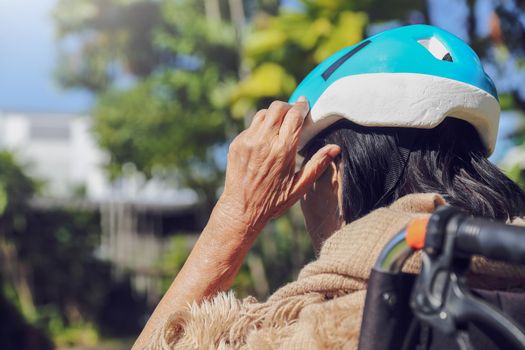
[58,149]
[61,150]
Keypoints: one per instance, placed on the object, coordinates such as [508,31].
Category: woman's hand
[261,182]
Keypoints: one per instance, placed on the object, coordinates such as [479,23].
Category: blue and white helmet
[411,77]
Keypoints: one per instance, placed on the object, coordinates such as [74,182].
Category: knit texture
[323,308]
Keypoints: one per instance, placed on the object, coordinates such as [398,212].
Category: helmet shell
[394,79]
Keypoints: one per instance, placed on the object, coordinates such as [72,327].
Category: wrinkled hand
[261,182]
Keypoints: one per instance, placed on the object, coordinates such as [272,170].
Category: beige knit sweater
[322,309]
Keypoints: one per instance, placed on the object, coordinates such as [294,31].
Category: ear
[336,184]
[330,181]
[330,175]
[334,172]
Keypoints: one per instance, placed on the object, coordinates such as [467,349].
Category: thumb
[313,169]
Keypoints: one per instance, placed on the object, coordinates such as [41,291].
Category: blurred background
[115,119]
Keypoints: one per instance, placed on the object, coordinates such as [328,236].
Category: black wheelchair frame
[436,309]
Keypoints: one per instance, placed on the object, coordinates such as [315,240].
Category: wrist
[237,216]
[224,242]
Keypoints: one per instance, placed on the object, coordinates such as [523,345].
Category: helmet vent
[436,48]
[447,58]
[334,66]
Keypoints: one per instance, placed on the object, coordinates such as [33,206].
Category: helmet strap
[397,166]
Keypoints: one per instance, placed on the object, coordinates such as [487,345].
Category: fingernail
[334,151]
[303,105]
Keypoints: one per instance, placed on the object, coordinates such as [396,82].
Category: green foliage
[279,53]
[284,248]
[16,188]
[517,173]
[110,37]
[280,252]
[75,297]
[177,251]
[507,102]
[68,335]
[177,118]
[50,278]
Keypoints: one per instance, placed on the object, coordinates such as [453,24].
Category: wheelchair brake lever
[463,307]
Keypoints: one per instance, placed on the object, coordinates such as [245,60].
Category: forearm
[210,268]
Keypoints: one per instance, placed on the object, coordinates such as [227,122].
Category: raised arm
[260,184]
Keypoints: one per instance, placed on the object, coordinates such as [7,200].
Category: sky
[27,61]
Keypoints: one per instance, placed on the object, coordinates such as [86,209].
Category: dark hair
[382,164]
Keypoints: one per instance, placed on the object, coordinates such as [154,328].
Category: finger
[313,169]
[258,119]
[274,116]
[294,119]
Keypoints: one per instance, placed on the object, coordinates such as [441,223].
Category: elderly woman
[400,124]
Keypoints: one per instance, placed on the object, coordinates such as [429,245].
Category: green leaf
[4,200]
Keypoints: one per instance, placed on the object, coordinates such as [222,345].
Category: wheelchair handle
[491,239]
[473,236]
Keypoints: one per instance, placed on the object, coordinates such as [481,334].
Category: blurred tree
[50,281]
[17,305]
[16,189]
[501,46]
[16,333]
[185,57]
[102,40]
[176,120]
[76,297]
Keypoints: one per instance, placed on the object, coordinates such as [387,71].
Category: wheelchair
[436,309]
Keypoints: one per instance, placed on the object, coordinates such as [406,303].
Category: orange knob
[416,232]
